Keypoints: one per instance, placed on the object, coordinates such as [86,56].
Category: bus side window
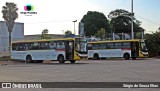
[35,46]
[21,47]
[89,46]
[52,45]
[118,45]
[95,46]
[110,45]
[17,48]
[47,45]
[26,46]
[60,45]
[126,45]
[14,46]
[63,45]
[103,46]
[29,46]
[44,45]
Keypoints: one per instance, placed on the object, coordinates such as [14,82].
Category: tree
[10,14]
[159,29]
[45,34]
[68,32]
[94,21]
[121,21]
[101,33]
[153,43]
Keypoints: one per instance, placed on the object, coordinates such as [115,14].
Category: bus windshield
[143,46]
[81,44]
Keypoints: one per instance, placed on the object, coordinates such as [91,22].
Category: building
[38,36]
[17,34]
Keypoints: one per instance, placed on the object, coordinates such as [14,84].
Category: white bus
[63,49]
[117,48]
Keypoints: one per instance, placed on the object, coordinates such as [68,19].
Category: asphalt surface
[115,70]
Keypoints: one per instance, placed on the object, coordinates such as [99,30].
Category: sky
[58,15]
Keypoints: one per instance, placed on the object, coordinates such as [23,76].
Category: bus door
[134,49]
[69,50]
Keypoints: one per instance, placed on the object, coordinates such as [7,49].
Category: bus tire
[134,58]
[39,61]
[72,61]
[29,59]
[126,56]
[61,59]
[96,56]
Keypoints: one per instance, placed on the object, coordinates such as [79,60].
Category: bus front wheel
[95,56]
[39,61]
[61,59]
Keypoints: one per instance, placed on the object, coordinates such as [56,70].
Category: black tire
[35,61]
[103,58]
[61,59]
[39,61]
[134,58]
[96,56]
[29,59]
[72,61]
[126,56]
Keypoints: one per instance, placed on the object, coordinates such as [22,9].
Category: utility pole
[62,31]
[74,27]
[132,33]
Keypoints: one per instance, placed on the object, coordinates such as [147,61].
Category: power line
[51,21]
[148,20]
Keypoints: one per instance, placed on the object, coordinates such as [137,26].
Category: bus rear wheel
[39,61]
[61,59]
[72,61]
[134,58]
[126,56]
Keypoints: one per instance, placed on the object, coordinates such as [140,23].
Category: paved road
[116,70]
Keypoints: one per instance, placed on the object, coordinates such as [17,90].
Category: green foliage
[10,15]
[45,34]
[68,32]
[101,33]
[121,21]
[153,43]
[94,21]
[119,12]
